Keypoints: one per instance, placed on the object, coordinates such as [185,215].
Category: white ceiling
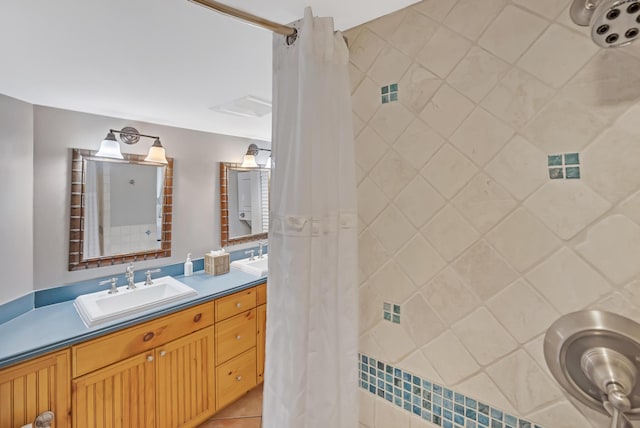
[160,61]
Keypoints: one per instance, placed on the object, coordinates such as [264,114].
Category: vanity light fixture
[249,160]
[109,148]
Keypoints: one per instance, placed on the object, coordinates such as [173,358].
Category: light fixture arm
[115,131]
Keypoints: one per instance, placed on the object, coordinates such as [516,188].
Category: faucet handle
[114,284]
[251,254]
[148,280]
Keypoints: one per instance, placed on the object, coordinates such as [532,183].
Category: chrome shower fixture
[595,356]
[613,23]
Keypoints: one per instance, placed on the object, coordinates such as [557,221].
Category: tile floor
[244,413]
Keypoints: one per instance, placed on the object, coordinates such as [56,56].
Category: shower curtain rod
[245,16]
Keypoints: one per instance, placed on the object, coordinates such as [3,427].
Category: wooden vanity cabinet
[262,330]
[30,388]
[170,384]
[174,371]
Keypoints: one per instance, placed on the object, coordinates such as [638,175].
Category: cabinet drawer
[236,303]
[262,294]
[117,346]
[235,377]
[235,335]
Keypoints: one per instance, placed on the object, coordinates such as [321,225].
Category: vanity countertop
[57,326]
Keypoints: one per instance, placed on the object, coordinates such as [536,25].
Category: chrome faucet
[261,244]
[114,284]
[251,254]
[148,280]
[129,275]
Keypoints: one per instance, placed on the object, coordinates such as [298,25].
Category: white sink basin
[100,307]
[257,267]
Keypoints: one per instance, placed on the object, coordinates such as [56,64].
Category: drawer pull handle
[197,317]
[149,358]
[238,305]
[238,337]
[238,378]
[147,337]
[163,353]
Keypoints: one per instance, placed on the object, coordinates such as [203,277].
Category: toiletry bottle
[188,266]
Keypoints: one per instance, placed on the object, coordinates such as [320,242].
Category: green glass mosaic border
[430,401]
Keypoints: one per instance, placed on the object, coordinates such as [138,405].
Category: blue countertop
[45,329]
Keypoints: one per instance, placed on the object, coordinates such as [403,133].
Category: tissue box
[216,265]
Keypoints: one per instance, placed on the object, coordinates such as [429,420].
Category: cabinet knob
[197,317]
[238,378]
[238,337]
[238,305]
[163,353]
[147,337]
[149,358]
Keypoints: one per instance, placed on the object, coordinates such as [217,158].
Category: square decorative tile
[554,160]
[572,159]
[572,172]
[555,173]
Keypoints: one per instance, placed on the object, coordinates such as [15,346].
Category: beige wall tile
[391,284]
[512,32]
[418,201]
[449,233]
[392,173]
[448,171]
[446,110]
[371,201]
[567,282]
[566,207]
[557,55]
[450,358]
[417,87]
[611,246]
[477,73]
[414,32]
[471,17]
[522,311]
[484,337]
[481,136]
[420,321]
[547,8]
[394,339]
[420,260]
[392,229]
[443,51]
[522,240]
[484,202]
[389,67]
[449,296]
[418,143]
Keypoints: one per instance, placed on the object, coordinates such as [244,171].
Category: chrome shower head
[614,23]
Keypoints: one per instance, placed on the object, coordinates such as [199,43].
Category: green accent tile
[396,309]
[385,90]
[387,316]
[396,319]
[573,172]
[394,87]
[555,173]
[385,99]
[393,96]
[554,160]
[572,159]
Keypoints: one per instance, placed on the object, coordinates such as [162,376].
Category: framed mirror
[120,210]
[244,204]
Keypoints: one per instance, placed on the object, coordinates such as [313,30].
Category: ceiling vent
[248,106]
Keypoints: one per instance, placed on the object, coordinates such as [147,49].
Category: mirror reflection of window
[248,195]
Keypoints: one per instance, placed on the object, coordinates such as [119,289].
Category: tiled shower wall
[462,111]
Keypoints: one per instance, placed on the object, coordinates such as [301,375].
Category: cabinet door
[30,388]
[185,380]
[121,395]
[260,345]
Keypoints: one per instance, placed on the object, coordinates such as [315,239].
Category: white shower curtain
[312,313]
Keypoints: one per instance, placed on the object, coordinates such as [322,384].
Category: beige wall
[460,222]
[16,188]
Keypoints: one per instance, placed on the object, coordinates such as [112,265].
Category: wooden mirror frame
[76,215]
[225,240]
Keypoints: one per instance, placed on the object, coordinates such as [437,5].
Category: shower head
[613,23]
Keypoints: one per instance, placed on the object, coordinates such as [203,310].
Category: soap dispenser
[188,266]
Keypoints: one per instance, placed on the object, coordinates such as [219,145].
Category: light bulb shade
[268,163]
[109,148]
[249,161]
[156,153]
